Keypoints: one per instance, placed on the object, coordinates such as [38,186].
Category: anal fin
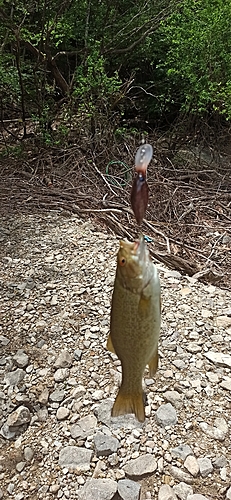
[129,403]
[153,364]
[110,344]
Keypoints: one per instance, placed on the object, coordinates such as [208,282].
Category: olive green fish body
[135,324]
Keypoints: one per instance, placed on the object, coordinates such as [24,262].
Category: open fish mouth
[139,248]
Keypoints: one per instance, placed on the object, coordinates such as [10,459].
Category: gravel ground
[58,382]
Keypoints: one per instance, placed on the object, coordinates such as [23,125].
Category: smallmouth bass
[135,324]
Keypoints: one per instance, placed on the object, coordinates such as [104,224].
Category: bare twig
[104,179]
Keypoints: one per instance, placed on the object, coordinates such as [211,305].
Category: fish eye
[122,261]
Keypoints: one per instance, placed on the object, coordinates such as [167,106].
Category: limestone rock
[166,493]
[21,359]
[61,374]
[220,461]
[98,489]
[6,432]
[205,465]
[28,453]
[223,321]
[141,466]
[64,360]
[44,396]
[20,416]
[179,474]
[191,464]
[212,432]
[62,413]
[57,396]
[182,451]
[226,384]
[182,490]
[221,424]
[105,445]
[166,415]
[128,490]
[174,398]
[15,377]
[219,358]
[84,427]
[75,458]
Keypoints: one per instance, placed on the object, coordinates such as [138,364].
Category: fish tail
[129,403]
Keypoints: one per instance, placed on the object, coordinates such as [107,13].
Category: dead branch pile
[188,221]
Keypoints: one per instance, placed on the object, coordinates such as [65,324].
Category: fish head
[133,263]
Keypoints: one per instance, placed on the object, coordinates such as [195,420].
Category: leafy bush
[198,57]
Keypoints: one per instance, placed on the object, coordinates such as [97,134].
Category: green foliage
[198,56]
[107,60]
[93,88]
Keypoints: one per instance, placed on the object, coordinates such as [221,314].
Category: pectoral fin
[110,344]
[129,403]
[153,364]
[144,304]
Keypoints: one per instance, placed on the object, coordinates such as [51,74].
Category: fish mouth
[139,248]
[136,250]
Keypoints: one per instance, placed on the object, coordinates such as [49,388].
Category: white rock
[64,360]
[166,493]
[205,465]
[43,397]
[182,451]
[139,467]
[61,374]
[128,490]
[75,458]
[20,416]
[97,395]
[226,384]
[180,475]
[105,445]
[28,453]
[221,424]
[223,321]
[166,415]
[219,358]
[197,496]
[212,432]
[98,489]
[174,397]
[6,432]
[54,300]
[192,465]
[15,377]
[21,359]
[84,427]
[62,413]
[183,490]
[223,473]
[228,494]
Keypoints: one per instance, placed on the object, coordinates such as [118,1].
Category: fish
[134,324]
[140,191]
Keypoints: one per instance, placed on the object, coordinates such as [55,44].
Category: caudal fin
[129,403]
